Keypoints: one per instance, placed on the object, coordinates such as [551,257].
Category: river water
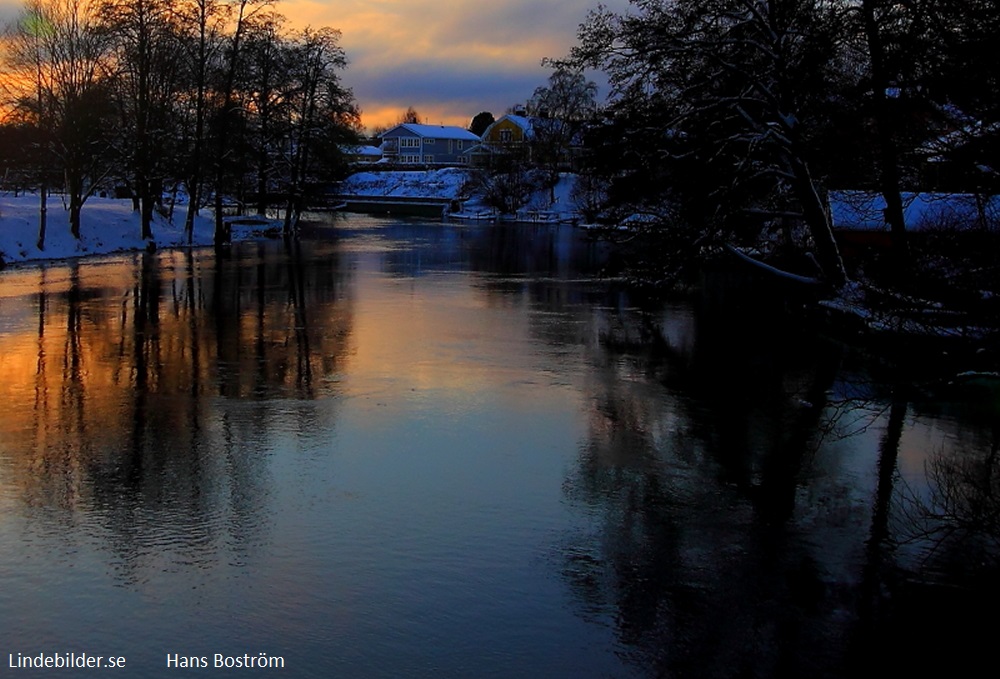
[411,449]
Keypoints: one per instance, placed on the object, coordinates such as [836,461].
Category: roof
[477,149]
[434,131]
[362,150]
[524,122]
[530,125]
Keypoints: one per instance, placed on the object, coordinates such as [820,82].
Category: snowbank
[452,184]
[444,183]
[545,205]
[106,225]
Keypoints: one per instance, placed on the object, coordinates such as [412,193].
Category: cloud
[448,56]
[449,59]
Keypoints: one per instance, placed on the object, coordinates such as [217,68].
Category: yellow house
[509,129]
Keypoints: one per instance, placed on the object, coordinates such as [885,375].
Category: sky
[449,59]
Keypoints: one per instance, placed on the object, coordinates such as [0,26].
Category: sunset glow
[449,60]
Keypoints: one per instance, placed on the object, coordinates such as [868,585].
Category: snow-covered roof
[362,150]
[477,149]
[434,131]
[526,124]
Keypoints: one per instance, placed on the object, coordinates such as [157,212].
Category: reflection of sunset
[110,355]
[402,342]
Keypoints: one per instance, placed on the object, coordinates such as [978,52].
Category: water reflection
[743,529]
[450,450]
[126,357]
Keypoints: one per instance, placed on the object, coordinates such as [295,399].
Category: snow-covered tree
[733,91]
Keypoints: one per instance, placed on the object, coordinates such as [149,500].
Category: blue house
[413,144]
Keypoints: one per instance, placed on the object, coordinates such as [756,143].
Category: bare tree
[410,116]
[322,111]
[204,24]
[146,45]
[58,49]
[229,109]
[559,111]
[26,57]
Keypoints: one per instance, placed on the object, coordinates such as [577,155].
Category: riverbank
[390,191]
[107,225]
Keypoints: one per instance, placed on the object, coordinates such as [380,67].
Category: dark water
[402,449]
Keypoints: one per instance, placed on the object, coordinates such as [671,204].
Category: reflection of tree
[941,583]
[699,446]
[961,515]
[128,360]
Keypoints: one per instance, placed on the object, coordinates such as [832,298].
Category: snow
[540,207]
[452,183]
[863,210]
[434,131]
[110,225]
[443,183]
[107,225]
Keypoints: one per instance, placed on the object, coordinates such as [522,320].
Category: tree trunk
[75,188]
[818,222]
[889,176]
[42,215]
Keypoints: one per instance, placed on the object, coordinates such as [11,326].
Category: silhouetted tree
[410,116]
[146,42]
[480,122]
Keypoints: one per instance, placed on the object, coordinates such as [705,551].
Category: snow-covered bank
[458,184]
[444,183]
[106,225]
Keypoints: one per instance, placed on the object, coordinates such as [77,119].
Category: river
[414,449]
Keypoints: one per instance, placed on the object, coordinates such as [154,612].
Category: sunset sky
[449,59]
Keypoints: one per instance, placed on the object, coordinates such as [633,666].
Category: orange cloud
[449,59]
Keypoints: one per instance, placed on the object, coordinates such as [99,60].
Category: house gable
[509,129]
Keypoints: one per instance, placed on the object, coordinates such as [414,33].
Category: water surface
[399,448]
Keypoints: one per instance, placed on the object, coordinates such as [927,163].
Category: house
[413,144]
[539,139]
[363,154]
[510,129]
[858,217]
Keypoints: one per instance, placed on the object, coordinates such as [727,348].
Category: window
[506,135]
[429,142]
[462,159]
[458,144]
[428,158]
[409,159]
[409,142]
